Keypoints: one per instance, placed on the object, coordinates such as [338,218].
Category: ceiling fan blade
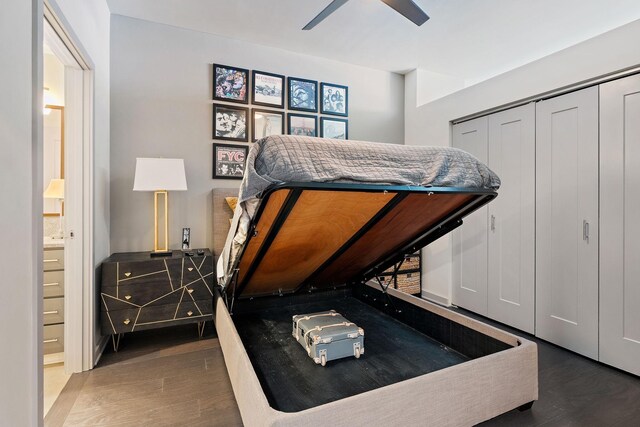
[335,4]
[409,10]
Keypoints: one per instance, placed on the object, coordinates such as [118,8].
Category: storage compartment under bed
[402,341]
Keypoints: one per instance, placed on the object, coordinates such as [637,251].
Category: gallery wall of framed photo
[251,104]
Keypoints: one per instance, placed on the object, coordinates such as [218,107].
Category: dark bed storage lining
[460,338]
[394,351]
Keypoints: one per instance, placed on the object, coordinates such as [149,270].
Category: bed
[313,236]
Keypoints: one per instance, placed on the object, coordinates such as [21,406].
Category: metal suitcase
[327,335]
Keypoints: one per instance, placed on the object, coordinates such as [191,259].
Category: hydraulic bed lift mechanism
[387,222]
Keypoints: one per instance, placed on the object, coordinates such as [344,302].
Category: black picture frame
[295,129]
[328,120]
[229,161]
[224,90]
[330,105]
[264,98]
[256,126]
[227,128]
[298,88]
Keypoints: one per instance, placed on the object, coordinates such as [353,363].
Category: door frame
[79,153]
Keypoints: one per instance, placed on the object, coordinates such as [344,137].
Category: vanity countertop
[50,243]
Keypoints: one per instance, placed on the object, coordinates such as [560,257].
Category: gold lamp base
[164,249]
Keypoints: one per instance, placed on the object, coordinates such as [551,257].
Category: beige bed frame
[460,395]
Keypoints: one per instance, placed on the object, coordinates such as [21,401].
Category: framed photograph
[266,122]
[334,128]
[229,161]
[230,84]
[335,99]
[267,89]
[302,124]
[230,123]
[303,94]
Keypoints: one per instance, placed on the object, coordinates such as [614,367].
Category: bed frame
[319,246]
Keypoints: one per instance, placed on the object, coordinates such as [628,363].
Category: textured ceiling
[468,39]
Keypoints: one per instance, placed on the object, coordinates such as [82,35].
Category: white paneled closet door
[470,239]
[511,237]
[620,223]
[567,221]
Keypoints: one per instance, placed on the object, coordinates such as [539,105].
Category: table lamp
[160,176]
[55,190]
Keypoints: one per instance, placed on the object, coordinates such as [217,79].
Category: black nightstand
[142,292]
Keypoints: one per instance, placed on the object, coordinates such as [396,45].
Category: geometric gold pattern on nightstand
[180,289]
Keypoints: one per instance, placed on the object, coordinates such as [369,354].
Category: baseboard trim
[436,298]
[97,354]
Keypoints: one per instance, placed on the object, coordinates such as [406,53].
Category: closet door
[470,239]
[511,239]
[567,221]
[620,223]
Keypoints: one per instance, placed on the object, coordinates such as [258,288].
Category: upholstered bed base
[460,395]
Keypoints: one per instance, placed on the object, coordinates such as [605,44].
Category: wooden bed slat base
[326,236]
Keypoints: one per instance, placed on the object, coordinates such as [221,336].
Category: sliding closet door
[470,239]
[620,223]
[567,221]
[511,241]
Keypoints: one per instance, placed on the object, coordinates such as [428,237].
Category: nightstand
[142,292]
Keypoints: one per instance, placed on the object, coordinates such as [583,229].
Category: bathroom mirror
[53,154]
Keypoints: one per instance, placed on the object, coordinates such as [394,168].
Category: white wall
[89,23]
[428,124]
[21,224]
[161,88]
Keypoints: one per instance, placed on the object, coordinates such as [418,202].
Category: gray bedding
[288,158]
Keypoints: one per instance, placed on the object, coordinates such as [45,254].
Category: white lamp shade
[159,174]
[55,189]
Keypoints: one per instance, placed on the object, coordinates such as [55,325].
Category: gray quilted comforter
[289,158]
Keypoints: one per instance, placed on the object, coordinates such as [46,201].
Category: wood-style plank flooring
[162,377]
[169,377]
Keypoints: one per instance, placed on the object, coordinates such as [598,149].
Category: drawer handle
[51,312]
[126,321]
[50,341]
[51,260]
[51,284]
[127,274]
[190,268]
[189,313]
[127,297]
[190,291]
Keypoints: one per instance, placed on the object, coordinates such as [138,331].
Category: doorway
[67,213]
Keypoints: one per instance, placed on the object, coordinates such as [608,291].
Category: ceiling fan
[406,8]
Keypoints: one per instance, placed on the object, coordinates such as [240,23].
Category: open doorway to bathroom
[55,377]
[67,209]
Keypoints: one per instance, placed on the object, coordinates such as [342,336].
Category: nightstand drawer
[53,284]
[53,339]
[118,321]
[143,290]
[131,270]
[53,259]
[200,290]
[53,309]
[162,315]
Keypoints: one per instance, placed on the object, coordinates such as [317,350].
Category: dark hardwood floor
[169,377]
[161,377]
[574,391]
